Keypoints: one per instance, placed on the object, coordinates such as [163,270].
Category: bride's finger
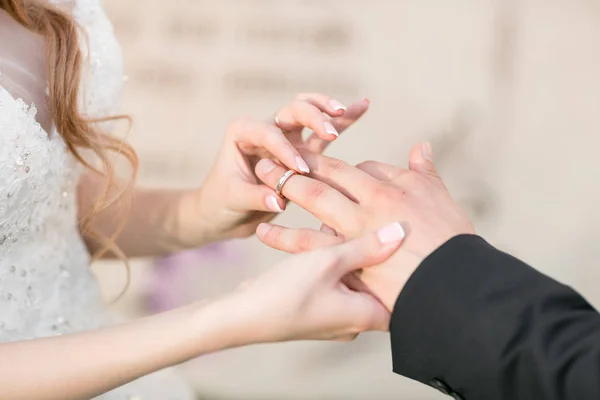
[256,198]
[368,250]
[300,240]
[294,240]
[326,104]
[316,144]
[310,114]
[269,137]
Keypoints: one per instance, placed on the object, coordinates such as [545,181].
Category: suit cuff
[433,314]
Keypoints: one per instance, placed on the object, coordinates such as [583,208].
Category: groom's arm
[479,324]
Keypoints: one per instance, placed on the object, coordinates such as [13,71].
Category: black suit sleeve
[479,324]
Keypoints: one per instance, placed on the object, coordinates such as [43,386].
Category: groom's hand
[354,200]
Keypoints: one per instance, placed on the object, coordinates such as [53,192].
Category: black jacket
[478,324]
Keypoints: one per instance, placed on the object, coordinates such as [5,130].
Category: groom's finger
[318,198]
[294,240]
[357,185]
[381,171]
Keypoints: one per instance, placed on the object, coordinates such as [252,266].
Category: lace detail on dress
[39,241]
[46,286]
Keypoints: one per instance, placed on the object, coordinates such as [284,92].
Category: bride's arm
[301,299]
[158,221]
[231,202]
[81,366]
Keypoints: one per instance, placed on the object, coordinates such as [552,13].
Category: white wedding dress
[46,286]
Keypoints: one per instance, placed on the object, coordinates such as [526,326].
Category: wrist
[226,322]
[195,226]
[386,281]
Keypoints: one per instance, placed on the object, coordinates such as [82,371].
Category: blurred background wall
[508,92]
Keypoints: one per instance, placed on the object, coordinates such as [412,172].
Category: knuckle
[411,179]
[317,191]
[334,165]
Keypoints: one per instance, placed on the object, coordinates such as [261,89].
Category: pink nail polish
[302,166]
[330,129]
[263,229]
[336,105]
[273,205]
[391,234]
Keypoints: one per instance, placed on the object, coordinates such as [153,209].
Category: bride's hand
[304,298]
[232,201]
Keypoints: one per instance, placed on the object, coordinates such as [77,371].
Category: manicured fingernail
[367,100]
[336,105]
[391,234]
[427,152]
[302,166]
[330,129]
[265,166]
[273,205]
[329,230]
[263,229]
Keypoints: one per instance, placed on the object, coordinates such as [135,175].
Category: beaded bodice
[46,287]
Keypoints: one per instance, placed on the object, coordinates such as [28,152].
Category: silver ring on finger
[282,182]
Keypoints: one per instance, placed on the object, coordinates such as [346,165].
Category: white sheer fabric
[46,287]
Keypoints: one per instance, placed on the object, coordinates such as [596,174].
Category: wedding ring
[282,182]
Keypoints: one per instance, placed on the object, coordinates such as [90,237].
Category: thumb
[421,160]
[369,250]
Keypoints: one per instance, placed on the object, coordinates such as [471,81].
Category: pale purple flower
[176,277]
